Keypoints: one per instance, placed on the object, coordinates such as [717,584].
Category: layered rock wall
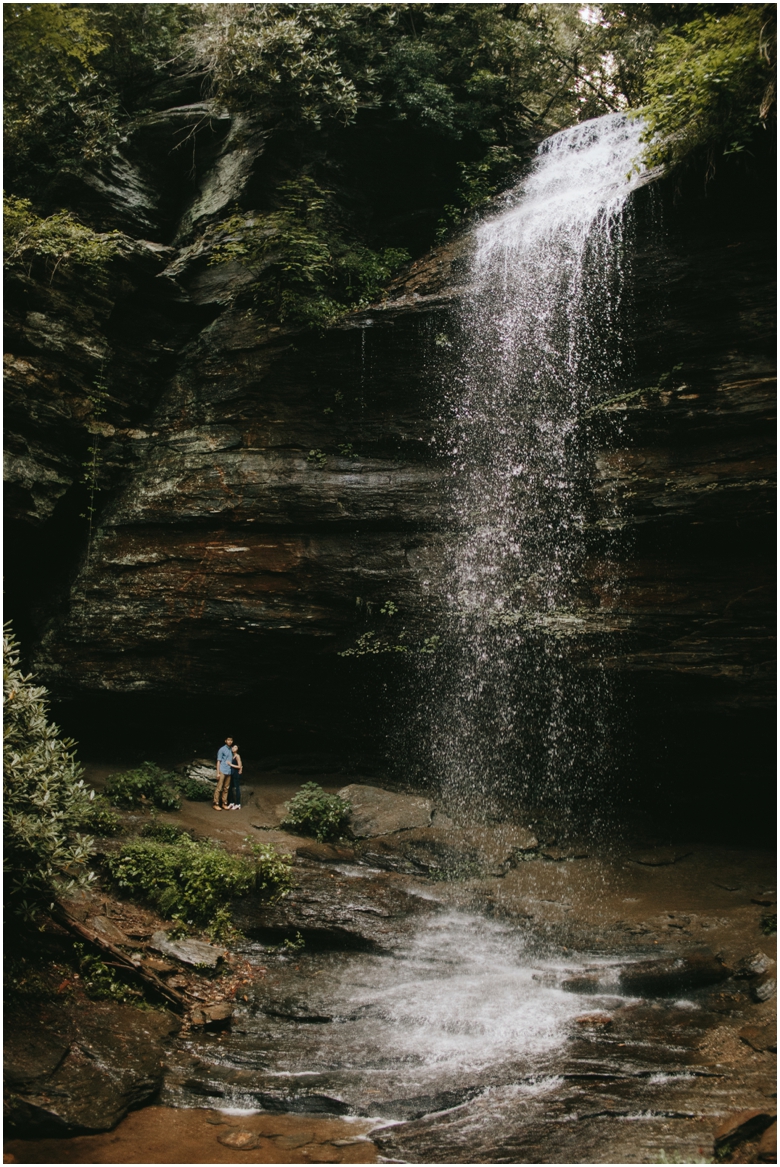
[265,492]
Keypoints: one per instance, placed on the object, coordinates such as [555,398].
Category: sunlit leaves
[46,803]
[708,85]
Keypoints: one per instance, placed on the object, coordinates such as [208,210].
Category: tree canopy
[397,119]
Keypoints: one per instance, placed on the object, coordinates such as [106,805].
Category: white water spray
[540,343]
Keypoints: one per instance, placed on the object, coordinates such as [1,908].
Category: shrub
[191,880]
[100,819]
[101,982]
[316,813]
[146,784]
[60,240]
[710,86]
[193,790]
[164,832]
[151,785]
[47,805]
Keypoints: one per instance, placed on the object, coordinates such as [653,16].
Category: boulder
[754,965]
[379,812]
[668,975]
[195,952]
[764,988]
[759,1037]
[201,771]
[767,1148]
[451,853]
[741,1126]
[241,1140]
[81,1073]
[216,1016]
[332,911]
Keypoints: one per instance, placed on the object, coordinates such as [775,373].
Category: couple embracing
[227,795]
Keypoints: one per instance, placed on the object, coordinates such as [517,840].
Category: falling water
[540,343]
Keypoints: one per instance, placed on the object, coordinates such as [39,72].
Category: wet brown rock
[764,987]
[767,1148]
[759,1037]
[88,1071]
[240,1139]
[451,852]
[380,812]
[742,1125]
[754,965]
[212,1016]
[594,1020]
[326,853]
[107,930]
[668,975]
[332,911]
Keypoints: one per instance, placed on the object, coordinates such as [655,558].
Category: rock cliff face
[264,493]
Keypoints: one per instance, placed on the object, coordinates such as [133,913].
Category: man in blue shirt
[224,758]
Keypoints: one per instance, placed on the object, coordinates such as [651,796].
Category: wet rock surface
[193,952]
[440,1006]
[358,910]
[380,812]
[220,540]
[67,1073]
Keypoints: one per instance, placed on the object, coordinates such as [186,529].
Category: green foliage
[164,832]
[47,807]
[221,928]
[73,75]
[710,86]
[194,791]
[101,982]
[310,270]
[769,924]
[318,457]
[190,880]
[99,819]
[146,785]
[316,813]
[59,240]
[150,785]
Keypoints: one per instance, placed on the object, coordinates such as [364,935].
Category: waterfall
[539,343]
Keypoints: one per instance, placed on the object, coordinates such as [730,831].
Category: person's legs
[233,797]
[220,792]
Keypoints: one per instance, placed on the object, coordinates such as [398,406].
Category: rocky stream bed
[447,993]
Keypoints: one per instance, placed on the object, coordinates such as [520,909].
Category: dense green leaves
[149,785]
[146,785]
[385,125]
[710,85]
[47,807]
[192,881]
[314,812]
[309,268]
[59,240]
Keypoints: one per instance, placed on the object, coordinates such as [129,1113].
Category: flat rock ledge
[378,812]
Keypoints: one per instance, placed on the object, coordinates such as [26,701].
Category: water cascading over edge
[509,713]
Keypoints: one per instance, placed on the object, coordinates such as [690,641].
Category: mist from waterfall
[508,713]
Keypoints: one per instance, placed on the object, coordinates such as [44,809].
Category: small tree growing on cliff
[46,803]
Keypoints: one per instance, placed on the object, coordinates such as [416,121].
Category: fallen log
[119,959]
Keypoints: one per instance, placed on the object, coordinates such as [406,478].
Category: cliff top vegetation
[385,124]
